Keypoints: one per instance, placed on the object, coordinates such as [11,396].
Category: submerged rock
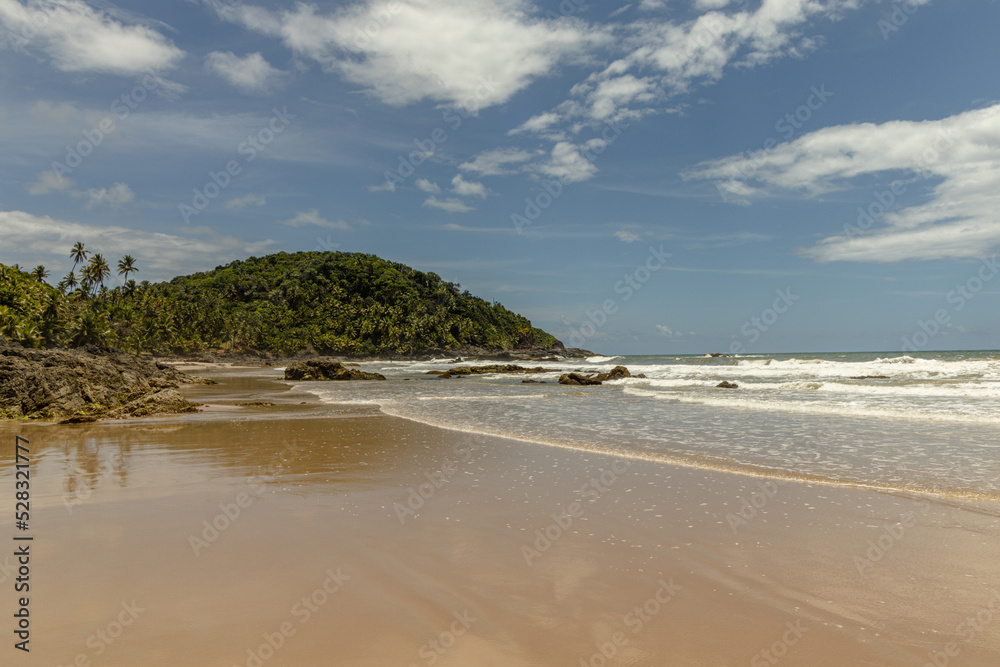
[495,368]
[727,385]
[319,369]
[616,373]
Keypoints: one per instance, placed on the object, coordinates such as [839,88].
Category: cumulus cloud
[428,187]
[664,330]
[953,164]
[465,188]
[116,195]
[451,205]
[495,48]
[312,217]
[49,181]
[626,236]
[568,164]
[251,74]
[81,38]
[497,162]
[240,203]
[163,254]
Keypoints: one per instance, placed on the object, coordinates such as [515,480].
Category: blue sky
[645,177]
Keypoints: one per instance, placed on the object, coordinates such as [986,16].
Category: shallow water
[932,425]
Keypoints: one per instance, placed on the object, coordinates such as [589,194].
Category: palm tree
[68,282]
[126,265]
[39,273]
[99,270]
[78,254]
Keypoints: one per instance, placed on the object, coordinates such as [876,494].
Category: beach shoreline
[346,536]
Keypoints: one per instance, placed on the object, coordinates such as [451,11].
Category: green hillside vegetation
[328,302]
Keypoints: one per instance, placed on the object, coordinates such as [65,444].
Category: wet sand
[333,535]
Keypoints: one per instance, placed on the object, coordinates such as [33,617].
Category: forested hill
[328,302]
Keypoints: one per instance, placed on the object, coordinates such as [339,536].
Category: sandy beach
[310,534]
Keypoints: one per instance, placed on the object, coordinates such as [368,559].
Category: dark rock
[321,369]
[870,377]
[495,368]
[727,385]
[163,402]
[79,383]
[577,379]
[641,376]
[616,373]
[716,354]
[256,404]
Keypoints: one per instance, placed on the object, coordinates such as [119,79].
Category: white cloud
[495,162]
[650,5]
[240,203]
[611,95]
[427,186]
[451,205]
[80,38]
[957,160]
[568,164]
[116,195]
[666,331]
[465,188]
[49,181]
[388,186]
[494,48]
[251,74]
[312,217]
[164,254]
[626,236]
[539,123]
[705,5]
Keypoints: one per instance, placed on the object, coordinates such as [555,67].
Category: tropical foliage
[333,302]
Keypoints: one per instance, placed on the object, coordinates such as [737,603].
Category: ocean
[925,423]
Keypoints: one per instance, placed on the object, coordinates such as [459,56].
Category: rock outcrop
[88,383]
[616,373]
[321,369]
[725,384]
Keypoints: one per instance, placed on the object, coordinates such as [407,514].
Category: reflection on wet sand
[276,537]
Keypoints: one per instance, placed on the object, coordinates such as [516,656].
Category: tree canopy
[329,302]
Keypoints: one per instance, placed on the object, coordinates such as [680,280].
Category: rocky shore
[87,384]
